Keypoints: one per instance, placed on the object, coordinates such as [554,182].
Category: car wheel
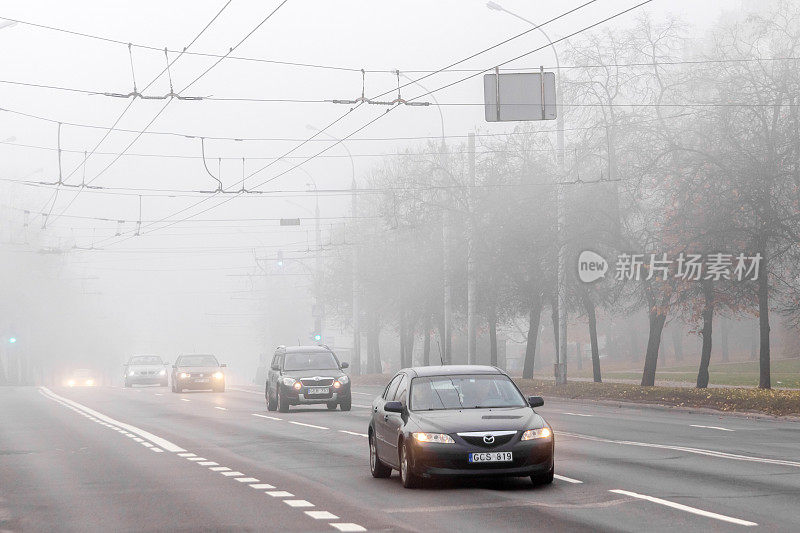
[283,403]
[331,406]
[376,466]
[272,403]
[543,479]
[410,479]
[345,404]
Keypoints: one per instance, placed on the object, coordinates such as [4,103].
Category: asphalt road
[111,459]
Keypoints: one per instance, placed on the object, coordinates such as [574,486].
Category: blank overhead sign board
[522,96]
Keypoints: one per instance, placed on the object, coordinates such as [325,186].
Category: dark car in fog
[463,421]
[198,372]
[307,375]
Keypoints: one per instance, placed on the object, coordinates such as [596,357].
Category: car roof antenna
[441,357]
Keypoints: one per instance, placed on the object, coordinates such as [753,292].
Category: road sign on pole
[519,96]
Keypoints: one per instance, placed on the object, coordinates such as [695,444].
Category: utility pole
[356,366]
[448,305]
[472,354]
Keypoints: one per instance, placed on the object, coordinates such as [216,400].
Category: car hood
[208,369]
[496,419]
[297,374]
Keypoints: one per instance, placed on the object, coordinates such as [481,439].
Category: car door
[380,417]
[393,422]
[273,375]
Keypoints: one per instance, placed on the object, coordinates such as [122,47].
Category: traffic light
[316,335]
[12,340]
[280,258]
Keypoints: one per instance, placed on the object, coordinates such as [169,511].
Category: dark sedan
[458,421]
[198,372]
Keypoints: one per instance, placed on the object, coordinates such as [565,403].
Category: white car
[145,370]
[81,377]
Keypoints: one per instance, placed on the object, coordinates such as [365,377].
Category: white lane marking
[681,507]
[185,400]
[567,479]
[154,449]
[363,406]
[348,527]
[208,463]
[160,442]
[261,486]
[220,408]
[698,451]
[353,433]
[247,479]
[298,503]
[260,393]
[363,393]
[574,414]
[137,439]
[231,474]
[147,444]
[218,468]
[196,458]
[265,416]
[710,427]
[307,425]
[186,454]
[279,494]
[159,394]
[321,515]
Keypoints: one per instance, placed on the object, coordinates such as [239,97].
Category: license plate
[203,380]
[490,457]
[318,390]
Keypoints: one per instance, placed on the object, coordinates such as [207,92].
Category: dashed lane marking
[154,449]
[186,454]
[353,433]
[363,393]
[261,486]
[196,458]
[218,468]
[208,463]
[362,406]
[567,479]
[710,427]
[575,414]
[279,494]
[307,425]
[348,527]
[246,479]
[686,508]
[220,408]
[322,515]
[234,473]
[185,400]
[298,503]
[265,416]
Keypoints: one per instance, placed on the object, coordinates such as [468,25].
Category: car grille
[322,382]
[499,440]
[148,372]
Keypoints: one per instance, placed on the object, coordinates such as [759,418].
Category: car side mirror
[345,365]
[275,367]
[535,401]
[223,365]
[393,407]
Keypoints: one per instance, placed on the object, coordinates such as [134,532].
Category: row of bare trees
[675,145]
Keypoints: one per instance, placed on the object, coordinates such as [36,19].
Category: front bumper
[146,380]
[302,397]
[434,460]
[196,384]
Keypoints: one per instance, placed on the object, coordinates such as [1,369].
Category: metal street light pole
[561,352]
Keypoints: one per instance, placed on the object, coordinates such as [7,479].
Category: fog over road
[102,459]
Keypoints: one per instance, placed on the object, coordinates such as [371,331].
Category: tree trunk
[754,345]
[493,339]
[439,355]
[653,343]
[426,341]
[578,355]
[554,318]
[403,337]
[723,330]
[410,338]
[3,378]
[533,333]
[677,342]
[763,323]
[708,320]
[373,345]
[590,312]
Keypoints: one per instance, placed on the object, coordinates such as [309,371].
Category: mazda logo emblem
[488,439]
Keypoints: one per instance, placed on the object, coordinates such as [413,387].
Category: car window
[310,361]
[392,387]
[146,360]
[464,392]
[402,388]
[197,360]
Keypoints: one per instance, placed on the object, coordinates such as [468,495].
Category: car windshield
[310,361]
[146,360]
[197,360]
[464,392]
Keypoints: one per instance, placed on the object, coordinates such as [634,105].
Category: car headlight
[288,381]
[540,433]
[297,385]
[344,380]
[183,375]
[71,383]
[217,375]
[440,438]
[89,382]
[162,372]
[131,372]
